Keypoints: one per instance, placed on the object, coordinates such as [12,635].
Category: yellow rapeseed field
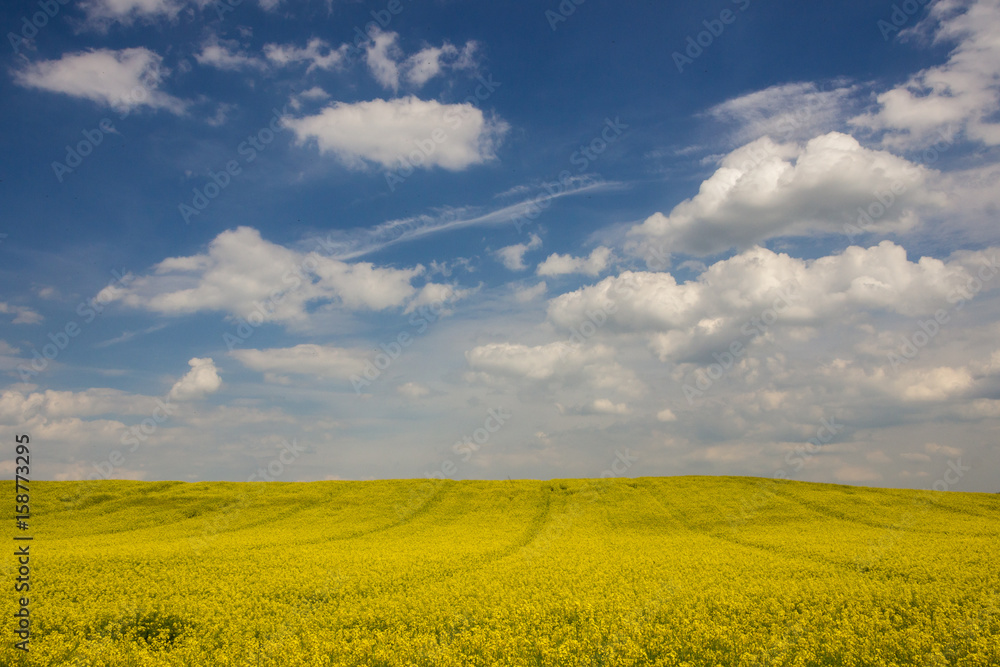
[651,571]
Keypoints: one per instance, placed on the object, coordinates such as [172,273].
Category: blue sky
[325,240]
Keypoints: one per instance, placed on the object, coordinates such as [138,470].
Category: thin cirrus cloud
[384,132]
[122,80]
[349,244]
[787,112]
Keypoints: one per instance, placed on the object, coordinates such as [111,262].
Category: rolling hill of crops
[649,571]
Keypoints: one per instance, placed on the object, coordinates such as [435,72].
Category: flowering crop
[650,571]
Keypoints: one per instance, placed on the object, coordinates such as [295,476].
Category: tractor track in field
[823,510]
[433,500]
[903,512]
[471,563]
[429,503]
[532,532]
[844,562]
[476,563]
[725,536]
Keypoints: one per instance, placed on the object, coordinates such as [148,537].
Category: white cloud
[712,310]
[927,384]
[201,380]
[557,265]
[381,55]
[123,80]
[604,406]
[385,60]
[432,61]
[764,190]
[318,53]
[386,132]
[933,384]
[70,431]
[365,286]
[962,94]
[226,55]
[666,415]
[436,294]
[942,450]
[241,270]
[18,407]
[599,406]
[512,256]
[552,362]
[100,13]
[412,390]
[22,314]
[542,362]
[425,65]
[323,361]
[530,293]
[312,94]
[83,427]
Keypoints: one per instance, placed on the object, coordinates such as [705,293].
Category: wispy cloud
[349,244]
[129,335]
